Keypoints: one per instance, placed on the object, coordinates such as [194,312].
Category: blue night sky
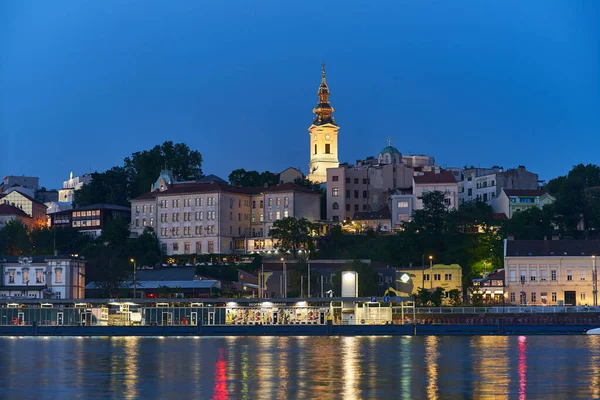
[85,83]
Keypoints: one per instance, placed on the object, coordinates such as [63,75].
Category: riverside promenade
[282,317]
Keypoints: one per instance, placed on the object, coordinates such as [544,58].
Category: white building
[67,193]
[208,217]
[436,180]
[550,272]
[25,184]
[486,184]
[48,277]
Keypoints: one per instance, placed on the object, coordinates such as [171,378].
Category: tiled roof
[552,248]
[432,177]
[199,187]
[24,195]
[382,213]
[523,192]
[101,206]
[7,209]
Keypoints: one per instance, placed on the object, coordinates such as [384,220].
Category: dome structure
[389,154]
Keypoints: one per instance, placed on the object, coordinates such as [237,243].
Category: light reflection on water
[484,367]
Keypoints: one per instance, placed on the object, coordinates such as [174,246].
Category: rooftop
[552,248]
[382,213]
[7,209]
[523,192]
[433,177]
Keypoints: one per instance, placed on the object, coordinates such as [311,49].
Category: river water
[478,367]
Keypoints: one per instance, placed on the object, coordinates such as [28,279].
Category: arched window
[336,206]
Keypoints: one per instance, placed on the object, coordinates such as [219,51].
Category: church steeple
[323,110]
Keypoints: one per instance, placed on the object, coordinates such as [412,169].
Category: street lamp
[595,280]
[284,278]
[134,280]
[431,272]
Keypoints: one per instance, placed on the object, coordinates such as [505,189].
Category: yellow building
[445,276]
[323,136]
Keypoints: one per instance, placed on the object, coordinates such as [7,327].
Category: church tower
[323,136]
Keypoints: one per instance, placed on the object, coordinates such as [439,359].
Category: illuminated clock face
[327,137]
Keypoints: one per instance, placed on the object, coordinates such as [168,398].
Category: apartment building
[486,184]
[210,216]
[551,272]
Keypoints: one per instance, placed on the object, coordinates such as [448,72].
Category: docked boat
[595,331]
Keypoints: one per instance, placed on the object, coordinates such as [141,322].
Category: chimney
[511,236]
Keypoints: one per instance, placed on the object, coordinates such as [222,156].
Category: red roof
[199,187]
[432,177]
[523,192]
[7,209]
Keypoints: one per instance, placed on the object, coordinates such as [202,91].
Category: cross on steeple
[389,141]
[323,64]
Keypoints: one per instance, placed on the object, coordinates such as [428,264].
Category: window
[278,201]
[356,207]
[365,194]
[58,275]
[143,209]
[270,216]
[365,207]
[270,202]
[335,192]
[25,272]
[151,221]
[569,275]
[327,148]
[553,275]
[286,213]
[211,246]
[447,277]
[335,178]
[533,297]
[513,298]
[437,277]
[365,181]
[175,246]
[582,296]
[356,181]
[543,275]
[253,204]
[512,275]
[253,219]
[335,218]
[347,180]
[239,216]
[582,274]
[186,248]
[447,202]
[137,222]
[261,217]
[278,215]
[347,194]
[426,277]
[403,204]
[356,194]
[186,230]
[39,276]
[523,277]
[469,191]
[137,209]
[532,275]
[554,297]
[198,247]
[347,207]
[315,149]
[335,206]
[239,203]
[286,201]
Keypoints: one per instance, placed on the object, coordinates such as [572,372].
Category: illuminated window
[335,192]
[58,275]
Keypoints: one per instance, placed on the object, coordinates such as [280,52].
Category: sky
[84,84]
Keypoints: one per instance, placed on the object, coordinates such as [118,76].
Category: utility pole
[595,281]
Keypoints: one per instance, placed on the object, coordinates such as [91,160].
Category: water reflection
[522,367]
[301,367]
[431,358]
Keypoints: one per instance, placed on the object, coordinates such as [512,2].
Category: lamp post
[134,280]
[595,281]
[284,278]
[423,271]
[431,272]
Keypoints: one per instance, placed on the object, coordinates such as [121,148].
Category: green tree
[242,178]
[291,233]
[107,267]
[115,231]
[143,167]
[109,187]
[145,249]
[14,239]
[422,297]
[436,297]
[531,224]
[455,297]
[42,241]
